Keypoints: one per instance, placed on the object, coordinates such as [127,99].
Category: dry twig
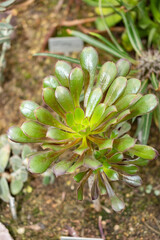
[151,228]
[100,227]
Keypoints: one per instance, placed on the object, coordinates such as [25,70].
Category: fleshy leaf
[16,186]
[144,151]
[106,75]
[61,167]
[117,157]
[45,117]
[129,169]
[76,84]
[78,177]
[127,101]
[124,143]
[94,190]
[78,115]
[115,90]
[50,100]
[62,71]
[109,113]
[111,174]
[27,109]
[123,67]
[97,115]
[64,98]
[138,161]
[25,151]
[123,115]
[92,163]
[108,143]
[80,192]
[83,147]
[4,153]
[123,128]
[16,135]
[144,105]
[101,185]
[88,61]
[4,190]
[40,162]
[50,82]
[134,180]
[133,86]
[94,99]
[16,162]
[76,165]
[117,204]
[33,130]
[58,134]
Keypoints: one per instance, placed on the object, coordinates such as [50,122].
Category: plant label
[79,238]
[65,45]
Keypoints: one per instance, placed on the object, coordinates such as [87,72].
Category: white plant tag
[79,238]
[65,45]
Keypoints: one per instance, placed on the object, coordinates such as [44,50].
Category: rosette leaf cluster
[89,118]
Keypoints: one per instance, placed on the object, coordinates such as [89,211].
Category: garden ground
[47,212]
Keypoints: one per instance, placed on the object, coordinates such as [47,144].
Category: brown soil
[52,211]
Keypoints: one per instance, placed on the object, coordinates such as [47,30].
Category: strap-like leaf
[147,120]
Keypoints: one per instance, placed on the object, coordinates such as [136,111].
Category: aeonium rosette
[92,111]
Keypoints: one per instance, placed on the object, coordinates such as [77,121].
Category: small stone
[131,229]
[157,192]
[21,230]
[116,228]
[4,233]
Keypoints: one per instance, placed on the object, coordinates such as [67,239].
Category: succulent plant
[6,30]
[13,172]
[89,120]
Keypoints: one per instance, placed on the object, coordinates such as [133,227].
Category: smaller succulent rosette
[89,119]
